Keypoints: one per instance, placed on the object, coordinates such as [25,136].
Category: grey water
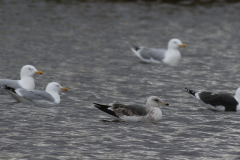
[85,46]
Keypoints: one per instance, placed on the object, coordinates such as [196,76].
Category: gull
[50,95]
[217,101]
[171,56]
[26,81]
[150,112]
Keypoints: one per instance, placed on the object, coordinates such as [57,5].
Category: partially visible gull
[217,101]
[171,56]
[150,112]
[51,95]
[26,81]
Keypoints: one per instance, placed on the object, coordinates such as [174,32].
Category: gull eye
[57,85]
[156,100]
[30,69]
[175,42]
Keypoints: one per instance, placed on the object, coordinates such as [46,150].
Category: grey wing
[36,95]
[128,110]
[10,83]
[157,54]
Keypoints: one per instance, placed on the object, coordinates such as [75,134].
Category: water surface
[84,45]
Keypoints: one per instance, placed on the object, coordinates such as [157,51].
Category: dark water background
[84,45]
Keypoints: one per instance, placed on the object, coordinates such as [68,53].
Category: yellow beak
[39,72]
[64,89]
[183,45]
[165,104]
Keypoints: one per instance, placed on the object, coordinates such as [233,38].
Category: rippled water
[85,47]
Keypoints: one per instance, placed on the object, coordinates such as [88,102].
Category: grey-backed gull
[26,81]
[171,56]
[51,95]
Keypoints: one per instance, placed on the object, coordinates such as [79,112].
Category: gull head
[175,44]
[29,71]
[55,87]
[155,101]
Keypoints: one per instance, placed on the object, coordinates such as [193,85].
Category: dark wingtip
[8,88]
[185,89]
[104,108]
[135,47]
[4,87]
[96,105]
[190,91]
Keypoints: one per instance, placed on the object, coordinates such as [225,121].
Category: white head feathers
[155,101]
[175,44]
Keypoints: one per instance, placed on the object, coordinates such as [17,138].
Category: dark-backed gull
[217,101]
[150,112]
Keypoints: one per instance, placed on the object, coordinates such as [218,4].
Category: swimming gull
[150,112]
[51,95]
[26,81]
[171,56]
[217,101]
